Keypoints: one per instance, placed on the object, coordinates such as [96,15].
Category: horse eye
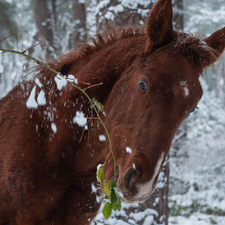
[193,109]
[142,85]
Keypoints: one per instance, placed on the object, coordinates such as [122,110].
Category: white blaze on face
[146,189]
[183,84]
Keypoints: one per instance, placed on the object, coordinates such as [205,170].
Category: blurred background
[191,186]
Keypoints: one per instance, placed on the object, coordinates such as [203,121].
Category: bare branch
[34,46]
[8,37]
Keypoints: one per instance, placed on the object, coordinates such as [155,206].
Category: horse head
[151,99]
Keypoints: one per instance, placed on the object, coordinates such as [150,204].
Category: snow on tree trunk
[121,13]
[91,18]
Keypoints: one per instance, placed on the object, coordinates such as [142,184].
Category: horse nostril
[129,177]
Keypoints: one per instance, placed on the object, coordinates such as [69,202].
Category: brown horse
[49,154]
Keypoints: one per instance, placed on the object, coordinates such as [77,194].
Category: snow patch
[60,82]
[102,137]
[94,189]
[37,81]
[72,78]
[31,102]
[41,98]
[54,127]
[80,119]
[128,150]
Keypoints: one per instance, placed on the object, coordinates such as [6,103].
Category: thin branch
[79,81]
[8,37]
[118,135]
[94,85]
[34,46]
[92,118]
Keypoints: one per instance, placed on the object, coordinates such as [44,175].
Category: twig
[79,81]
[106,159]
[81,137]
[94,85]
[92,123]
[8,37]
[34,46]
[92,118]
[118,135]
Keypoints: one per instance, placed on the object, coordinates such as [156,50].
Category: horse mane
[85,51]
[194,49]
[190,46]
[95,44]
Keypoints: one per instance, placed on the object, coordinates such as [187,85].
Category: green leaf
[116,206]
[117,197]
[99,106]
[100,173]
[113,196]
[107,210]
[115,201]
[105,187]
[111,184]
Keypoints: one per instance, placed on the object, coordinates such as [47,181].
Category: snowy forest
[191,186]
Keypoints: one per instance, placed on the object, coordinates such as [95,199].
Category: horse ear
[216,42]
[159,27]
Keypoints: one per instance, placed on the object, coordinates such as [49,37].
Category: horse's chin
[135,199]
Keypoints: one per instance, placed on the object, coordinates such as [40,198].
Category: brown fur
[46,177]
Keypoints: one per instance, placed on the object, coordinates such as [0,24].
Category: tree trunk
[45,18]
[178,15]
[79,15]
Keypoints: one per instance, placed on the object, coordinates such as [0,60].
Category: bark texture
[45,18]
